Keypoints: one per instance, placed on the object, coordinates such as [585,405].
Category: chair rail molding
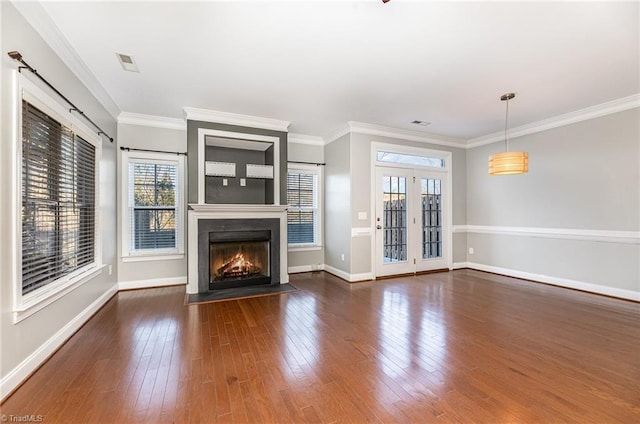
[604,236]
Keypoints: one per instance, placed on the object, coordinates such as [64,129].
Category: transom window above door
[409,159]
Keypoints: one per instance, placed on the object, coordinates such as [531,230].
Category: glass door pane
[394,212]
[432,234]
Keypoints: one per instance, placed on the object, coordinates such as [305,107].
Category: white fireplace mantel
[198,211]
[210,208]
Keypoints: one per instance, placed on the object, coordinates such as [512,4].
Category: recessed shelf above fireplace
[253,158]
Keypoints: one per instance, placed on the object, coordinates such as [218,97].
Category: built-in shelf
[260,171]
[253,159]
[220,169]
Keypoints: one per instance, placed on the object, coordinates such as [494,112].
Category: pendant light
[508,163]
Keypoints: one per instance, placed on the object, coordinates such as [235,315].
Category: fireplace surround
[222,224]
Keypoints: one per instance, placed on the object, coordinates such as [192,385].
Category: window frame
[126,253]
[444,155]
[314,170]
[25,305]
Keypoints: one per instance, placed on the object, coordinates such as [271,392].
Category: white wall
[158,272]
[337,206]
[23,346]
[583,178]
[302,261]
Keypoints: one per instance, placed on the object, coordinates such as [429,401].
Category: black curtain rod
[128,149]
[17,56]
[307,163]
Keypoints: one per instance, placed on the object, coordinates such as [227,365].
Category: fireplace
[242,248]
[239,258]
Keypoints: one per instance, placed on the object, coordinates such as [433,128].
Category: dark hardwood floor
[462,346]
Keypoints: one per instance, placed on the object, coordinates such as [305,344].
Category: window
[303,216]
[153,206]
[408,159]
[58,200]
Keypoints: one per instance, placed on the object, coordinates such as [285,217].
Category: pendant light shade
[508,163]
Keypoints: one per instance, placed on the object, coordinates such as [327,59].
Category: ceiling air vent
[127,62]
[423,123]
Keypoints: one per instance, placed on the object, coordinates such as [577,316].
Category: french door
[411,221]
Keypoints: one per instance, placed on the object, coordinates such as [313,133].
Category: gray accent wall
[18,342]
[192,150]
[150,138]
[583,176]
[337,206]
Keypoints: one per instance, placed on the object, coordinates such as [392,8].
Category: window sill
[48,295]
[304,248]
[152,257]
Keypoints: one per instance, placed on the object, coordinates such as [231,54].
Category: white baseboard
[20,373]
[459,265]
[365,276]
[337,272]
[154,282]
[558,281]
[305,268]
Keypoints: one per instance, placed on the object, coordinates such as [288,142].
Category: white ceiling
[321,64]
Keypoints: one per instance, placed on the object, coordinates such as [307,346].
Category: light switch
[225,182]
[362,216]
[243,182]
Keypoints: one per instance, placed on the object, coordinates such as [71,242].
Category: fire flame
[238,266]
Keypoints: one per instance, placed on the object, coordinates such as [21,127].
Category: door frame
[408,265]
[446,172]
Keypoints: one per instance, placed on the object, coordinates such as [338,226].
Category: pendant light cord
[506,121]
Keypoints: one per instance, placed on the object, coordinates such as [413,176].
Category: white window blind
[154,212]
[58,200]
[303,216]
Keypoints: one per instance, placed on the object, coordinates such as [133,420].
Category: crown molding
[195,114]
[614,106]
[40,20]
[310,140]
[152,121]
[337,135]
[379,130]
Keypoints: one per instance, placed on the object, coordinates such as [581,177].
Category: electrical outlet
[243,182]
[471,250]
[225,182]
[342,256]
[362,216]
[110,269]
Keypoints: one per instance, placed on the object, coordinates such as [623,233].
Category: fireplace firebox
[239,258]
[244,245]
